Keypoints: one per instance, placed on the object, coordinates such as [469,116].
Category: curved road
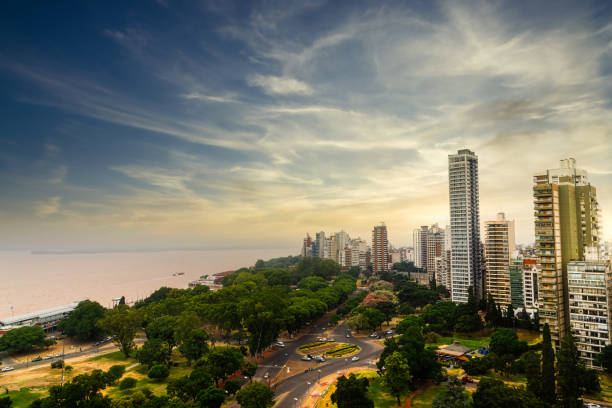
[297,386]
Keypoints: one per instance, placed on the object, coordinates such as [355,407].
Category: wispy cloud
[280,85]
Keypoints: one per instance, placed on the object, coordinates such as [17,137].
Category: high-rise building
[589,290]
[466,268]
[319,248]
[307,246]
[566,222]
[380,249]
[435,249]
[530,285]
[419,238]
[515,272]
[499,247]
[359,249]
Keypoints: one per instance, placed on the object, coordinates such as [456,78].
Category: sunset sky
[206,124]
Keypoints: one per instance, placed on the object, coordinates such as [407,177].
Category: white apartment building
[530,285]
[465,225]
[589,289]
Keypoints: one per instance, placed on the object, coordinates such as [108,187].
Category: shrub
[159,372]
[127,383]
[57,364]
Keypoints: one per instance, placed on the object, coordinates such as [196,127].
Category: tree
[505,341]
[5,402]
[163,328]
[211,397]
[195,345]
[223,362]
[569,374]
[604,359]
[548,368]
[354,271]
[249,370]
[531,362]
[387,308]
[153,352]
[352,392]
[510,318]
[493,393]
[453,397]
[232,386]
[468,323]
[158,372]
[23,339]
[255,395]
[122,322]
[113,374]
[81,323]
[397,374]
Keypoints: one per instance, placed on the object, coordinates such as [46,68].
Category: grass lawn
[606,389]
[24,397]
[466,340]
[425,398]
[140,374]
[114,356]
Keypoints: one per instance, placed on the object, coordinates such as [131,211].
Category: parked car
[7,368]
[319,359]
[373,335]
[35,359]
[355,358]
[322,339]
[348,335]
[310,356]
[331,339]
[59,355]
[280,344]
[591,405]
[390,332]
[306,358]
[466,379]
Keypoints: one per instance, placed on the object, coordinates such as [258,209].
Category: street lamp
[307,388]
[319,380]
[295,402]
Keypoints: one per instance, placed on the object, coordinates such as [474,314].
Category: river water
[30,282]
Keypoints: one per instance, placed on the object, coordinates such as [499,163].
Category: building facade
[589,289]
[566,222]
[380,249]
[499,247]
[515,272]
[466,268]
[419,240]
[530,285]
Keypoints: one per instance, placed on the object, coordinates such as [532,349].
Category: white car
[355,358]
[8,368]
[280,344]
[322,339]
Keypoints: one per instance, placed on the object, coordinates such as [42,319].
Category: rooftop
[8,321]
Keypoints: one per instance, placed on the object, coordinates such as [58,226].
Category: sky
[217,124]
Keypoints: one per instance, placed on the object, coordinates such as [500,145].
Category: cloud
[49,207]
[274,85]
[210,98]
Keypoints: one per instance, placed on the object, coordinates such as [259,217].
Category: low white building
[46,318]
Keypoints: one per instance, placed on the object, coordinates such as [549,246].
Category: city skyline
[159,126]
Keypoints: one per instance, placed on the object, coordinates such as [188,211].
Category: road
[296,386]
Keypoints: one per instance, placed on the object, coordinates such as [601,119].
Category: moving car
[280,344]
[7,368]
[319,359]
[355,358]
[306,358]
[39,358]
[49,357]
[466,379]
[322,339]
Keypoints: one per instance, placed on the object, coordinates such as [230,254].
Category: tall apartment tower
[499,247]
[320,245]
[589,288]
[566,222]
[380,249]
[419,240]
[465,226]
[435,249]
